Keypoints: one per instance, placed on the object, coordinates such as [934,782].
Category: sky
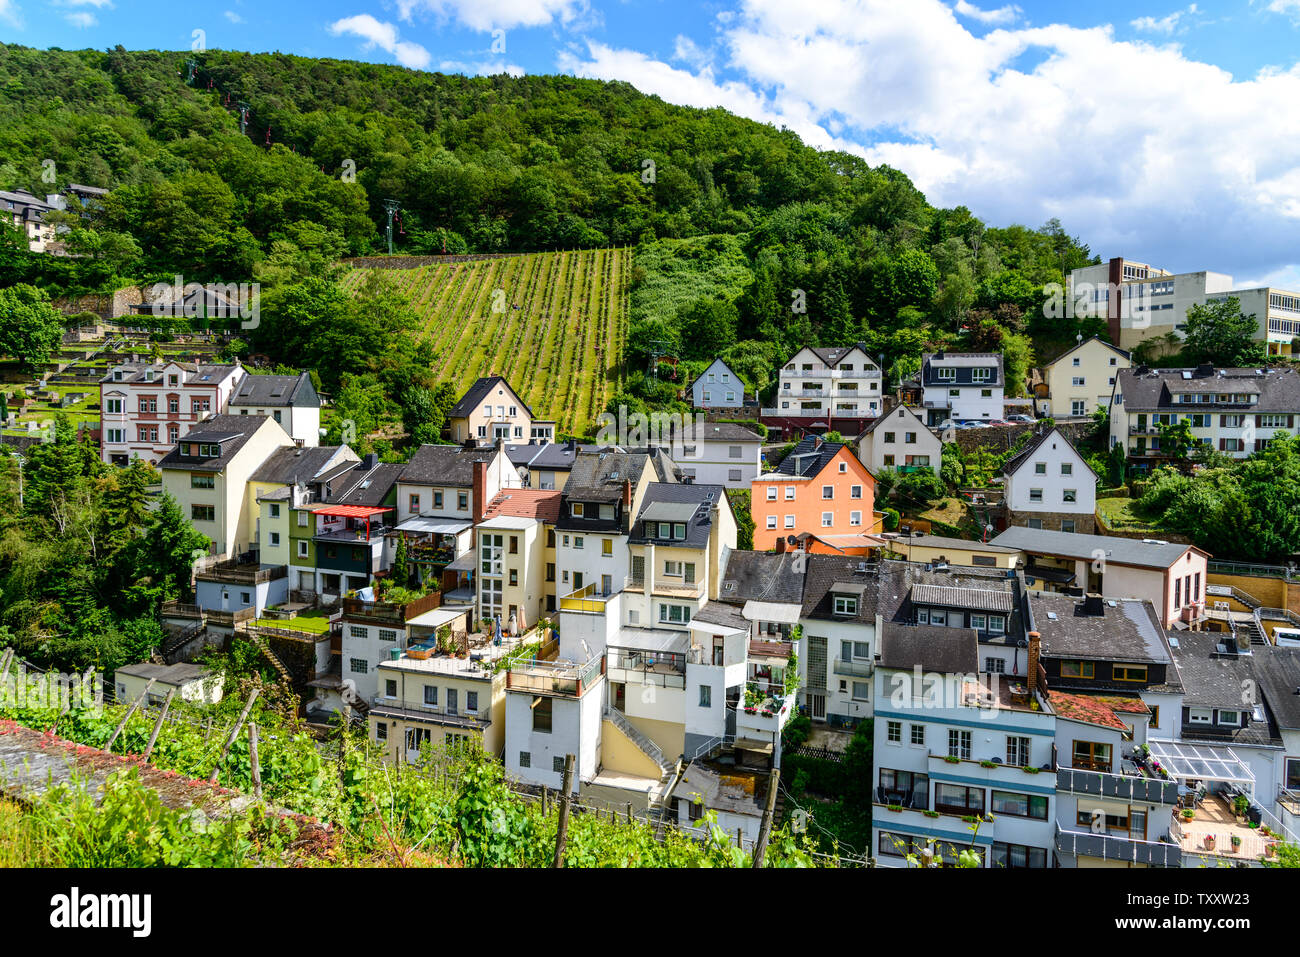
[1164,132]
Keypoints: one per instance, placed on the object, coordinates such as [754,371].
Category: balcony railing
[856,669]
[1111,848]
[669,587]
[180,609]
[389,611]
[912,801]
[242,573]
[1126,787]
[566,678]
[647,668]
[590,598]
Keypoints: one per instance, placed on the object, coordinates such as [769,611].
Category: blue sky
[1163,131]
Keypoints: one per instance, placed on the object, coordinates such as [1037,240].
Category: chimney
[501,443]
[627,494]
[1093,606]
[479,491]
[371,460]
[1204,370]
[470,444]
[571,445]
[1031,666]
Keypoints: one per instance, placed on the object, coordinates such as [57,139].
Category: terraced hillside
[554,324]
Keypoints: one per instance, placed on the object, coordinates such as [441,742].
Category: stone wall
[1000,438]
[1083,524]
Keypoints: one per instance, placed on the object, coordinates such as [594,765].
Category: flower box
[951,759]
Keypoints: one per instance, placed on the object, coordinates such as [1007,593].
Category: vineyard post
[252,760]
[162,716]
[562,832]
[127,717]
[765,829]
[234,733]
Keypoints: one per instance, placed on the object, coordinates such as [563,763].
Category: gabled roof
[889,415]
[364,485]
[276,390]
[1076,348]
[198,374]
[450,465]
[476,393]
[829,575]
[292,464]
[1128,629]
[1150,389]
[714,432]
[833,355]
[231,431]
[1121,551]
[598,475]
[541,504]
[717,362]
[1022,457]
[931,361]
[1279,678]
[809,457]
[952,651]
[762,576]
[694,508]
[555,456]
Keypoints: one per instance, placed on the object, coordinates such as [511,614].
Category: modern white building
[1237,411]
[1048,484]
[717,387]
[962,386]
[716,453]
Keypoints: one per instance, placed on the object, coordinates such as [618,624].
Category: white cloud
[499,14]
[1167,25]
[97,4]
[233,17]
[81,20]
[10,14]
[384,36]
[1019,124]
[1001,15]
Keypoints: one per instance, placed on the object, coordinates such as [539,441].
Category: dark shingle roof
[932,647]
[1279,678]
[292,464]
[476,393]
[555,456]
[1211,679]
[892,414]
[275,390]
[762,576]
[1014,463]
[199,373]
[1129,631]
[232,431]
[931,362]
[1085,342]
[1278,389]
[829,575]
[700,498]
[715,432]
[598,475]
[809,457]
[365,486]
[451,465]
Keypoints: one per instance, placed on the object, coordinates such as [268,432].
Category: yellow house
[491,409]
[1081,379]
[515,548]
[208,474]
[953,551]
[440,700]
[270,492]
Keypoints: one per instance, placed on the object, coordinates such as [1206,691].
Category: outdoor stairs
[271,656]
[646,746]
[1257,636]
[179,639]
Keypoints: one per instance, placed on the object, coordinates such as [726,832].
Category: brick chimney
[479,492]
[627,494]
[1031,666]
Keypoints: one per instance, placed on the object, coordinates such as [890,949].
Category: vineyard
[554,324]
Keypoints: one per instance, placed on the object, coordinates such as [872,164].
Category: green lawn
[313,622]
[1120,514]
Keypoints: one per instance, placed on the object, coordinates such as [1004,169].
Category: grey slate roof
[275,390]
[892,415]
[897,580]
[719,613]
[1154,389]
[1074,348]
[1026,454]
[1213,680]
[715,432]
[829,575]
[476,393]
[292,464]
[1121,551]
[232,431]
[450,465]
[176,674]
[363,485]
[760,576]
[553,456]
[809,457]
[931,362]
[1130,631]
[955,596]
[1279,679]
[699,499]
[598,475]
[927,540]
[201,373]
[932,647]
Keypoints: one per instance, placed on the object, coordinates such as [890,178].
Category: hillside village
[695,585]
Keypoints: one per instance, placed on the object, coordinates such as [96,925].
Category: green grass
[1120,514]
[313,622]
[559,338]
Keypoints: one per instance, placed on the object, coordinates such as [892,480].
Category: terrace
[558,677]
[236,572]
[1214,831]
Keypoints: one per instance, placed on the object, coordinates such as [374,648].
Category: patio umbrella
[497,640]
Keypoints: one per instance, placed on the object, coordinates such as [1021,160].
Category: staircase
[1256,632]
[647,747]
[271,656]
[180,639]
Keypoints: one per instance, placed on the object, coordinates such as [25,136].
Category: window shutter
[1223,445]
[1290,421]
[1259,444]
[1223,421]
[1259,421]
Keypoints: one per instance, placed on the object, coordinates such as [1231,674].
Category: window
[995,666]
[1200,716]
[414,502]
[828,491]
[1077,381]
[358,631]
[431,695]
[275,539]
[1075,362]
[275,510]
[203,481]
[789,493]
[1033,523]
[381,731]
[1067,525]
[437,501]
[734,452]
[525,759]
[1017,856]
[359,666]
[846,605]
[889,438]
[557,764]
[576,509]
[1069,495]
[958,799]
[855,518]
[844,467]
[771,521]
[1067,468]
[948,373]
[706,696]
[734,475]
[1078,669]
[771,493]
[302,519]
[894,732]
[958,744]
[1091,756]
[987,560]
[462,501]
[1130,672]
[675,614]
[1230,717]
[918,733]
[789,521]
[542,714]
[302,548]
[607,547]
[577,541]
[828,519]
[1017,750]
[203,513]
[1035,495]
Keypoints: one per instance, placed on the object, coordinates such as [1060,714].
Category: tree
[30,328]
[424,412]
[1176,439]
[1220,334]
[708,327]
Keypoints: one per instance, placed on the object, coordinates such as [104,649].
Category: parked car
[1021,418]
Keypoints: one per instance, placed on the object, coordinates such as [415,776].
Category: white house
[716,453]
[290,400]
[717,387]
[822,389]
[146,408]
[1049,485]
[962,386]
[187,682]
[899,439]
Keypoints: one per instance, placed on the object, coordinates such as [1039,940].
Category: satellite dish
[988,528]
[791,540]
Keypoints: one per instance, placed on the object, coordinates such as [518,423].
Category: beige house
[491,410]
[187,682]
[516,557]
[920,547]
[439,700]
[899,439]
[208,473]
[1079,381]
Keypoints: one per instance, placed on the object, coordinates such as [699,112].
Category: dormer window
[846,605]
[576,509]
[945,373]
[981,375]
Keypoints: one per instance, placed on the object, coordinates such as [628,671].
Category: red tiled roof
[541,504]
[1096,709]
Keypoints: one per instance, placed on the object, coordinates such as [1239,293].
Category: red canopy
[350,511]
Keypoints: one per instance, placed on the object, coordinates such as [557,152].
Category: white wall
[1053,454]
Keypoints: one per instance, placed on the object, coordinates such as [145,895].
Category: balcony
[241,573]
[390,612]
[665,669]
[1111,848]
[1125,787]
[561,678]
[590,598]
[668,587]
[855,669]
[352,535]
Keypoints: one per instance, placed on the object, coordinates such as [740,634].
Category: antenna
[243,117]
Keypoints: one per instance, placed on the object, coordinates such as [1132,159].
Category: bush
[891,519]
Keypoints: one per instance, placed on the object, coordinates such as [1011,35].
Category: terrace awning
[433,526]
[351,511]
[1200,762]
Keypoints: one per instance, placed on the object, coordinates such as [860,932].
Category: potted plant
[893,807]
[1236,842]
[929,813]
[1240,805]
[988,764]
[1030,769]
[1209,842]
[1188,814]
[952,759]
[1270,850]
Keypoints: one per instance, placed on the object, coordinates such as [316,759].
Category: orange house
[820,488]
